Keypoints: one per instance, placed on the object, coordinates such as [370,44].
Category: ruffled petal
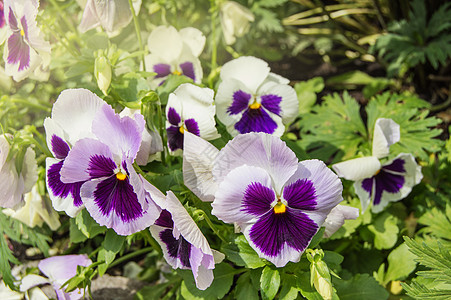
[171,48]
[198,158]
[194,39]
[357,168]
[336,218]
[386,133]
[260,150]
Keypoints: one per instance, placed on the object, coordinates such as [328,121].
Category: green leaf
[154,292]
[289,289]
[361,286]
[111,246]
[223,279]
[350,79]
[307,291]
[269,282]
[6,258]
[245,290]
[242,254]
[437,222]
[400,264]
[306,92]
[87,225]
[271,3]
[385,230]
[170,84]
[128,88]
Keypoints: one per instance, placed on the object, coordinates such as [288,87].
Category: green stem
[214,46]
[161,129]
[152,241]
[213,227]
[61,13]
[129,256]
[138,33]
[31,104]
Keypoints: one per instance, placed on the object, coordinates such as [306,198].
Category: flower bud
[102,71]
[235,20]
[319,274]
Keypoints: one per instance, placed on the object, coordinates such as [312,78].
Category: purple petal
[240,102]
[165,219]
[23,21]
[396,166]
[19,51]
[12,20]
[300,194]
[258,199]
[175,138]
[117,195]
[61,189]
[173,117]
[101,166]
[2,15]
[177,248]
[59,147]
[272,103]
[192,126]
[188,70]
[256,120]
[162,70]
[272,231]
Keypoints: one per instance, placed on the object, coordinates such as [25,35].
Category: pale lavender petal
[61,268]
[122,135]
[2,16]
[12,20]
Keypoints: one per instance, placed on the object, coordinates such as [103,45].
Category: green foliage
[385,230]
[438,224]
[269,282]
[439,264]
[361,286]
[84,227]
[306,92]
[245,290]
[242,254]
[417,40]
[111,246]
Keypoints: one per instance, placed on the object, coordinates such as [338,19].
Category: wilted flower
[112,192]
[235,20]
[251,99]
[59,269]
[190,108]
[14,185]
[71,120]
[175,52]
[112,15]
[258,183]
[378,183]
[25,49]
[184,246]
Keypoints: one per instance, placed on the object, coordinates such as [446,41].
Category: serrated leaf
[361,286]
[223,279]
[6,258]
[385,230]
[269,282]
[306,92]
[400,264]
[245,290]
[242,254]
[437,223]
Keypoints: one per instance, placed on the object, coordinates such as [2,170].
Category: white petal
[32,280]
[11,186]
[357,168]
[29,170]
[198,158]
[89,19]
[337,217]
[224,99]
[386,133]
[251,71]
[171,48]
[194,38]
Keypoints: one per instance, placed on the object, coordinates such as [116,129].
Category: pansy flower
[175,52]
[378,183]
[112,15]
[252,99]
[71,120]
[25,48]
[183,244]
[235,20]
[14,185]
[190,108]
[278,202]
[112,192]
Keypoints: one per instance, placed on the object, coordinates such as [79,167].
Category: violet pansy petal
[128,132]
[301,194]
[240,102]
[173,117]
[386,133]
[61,268]
[234,201]
[80,160]
[357,168]
[175,138]
[198,158]
[65,197]
[19,51]
[289,103]
[162,70]
[188,69]
[256,120]
[271,102]
[260,150]
[336,218]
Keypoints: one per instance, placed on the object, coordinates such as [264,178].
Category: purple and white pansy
[178,54]
[112,192]
[376,183]
[252,99]
[257,183]
[2,23]
[190,108]
[183,244]
[25,48]
[71,120]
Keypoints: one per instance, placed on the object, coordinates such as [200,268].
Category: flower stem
[148,237]
[138,33]
[214,46]
[213,227]
[129,256]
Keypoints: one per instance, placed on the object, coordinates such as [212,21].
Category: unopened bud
[102,71]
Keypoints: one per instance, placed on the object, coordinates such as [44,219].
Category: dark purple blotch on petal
[59,147]
[23,21]
[19,51]
[12,20]
[175,137]
[165,219]
[272,103]
[191,126]
[240,102]
[272,231]
[118,196]
[257,199]
[2,15]
[301,194]
[177,248]
[188,69]
[61,189]
[386,180]
[173,117]
[256,120]
[162,70]
[101,166]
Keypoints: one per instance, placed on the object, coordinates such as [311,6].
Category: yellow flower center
[182,130]
[121,176]
[255,105]
[377,172]
[22,32]
[280,208]
[176,72]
